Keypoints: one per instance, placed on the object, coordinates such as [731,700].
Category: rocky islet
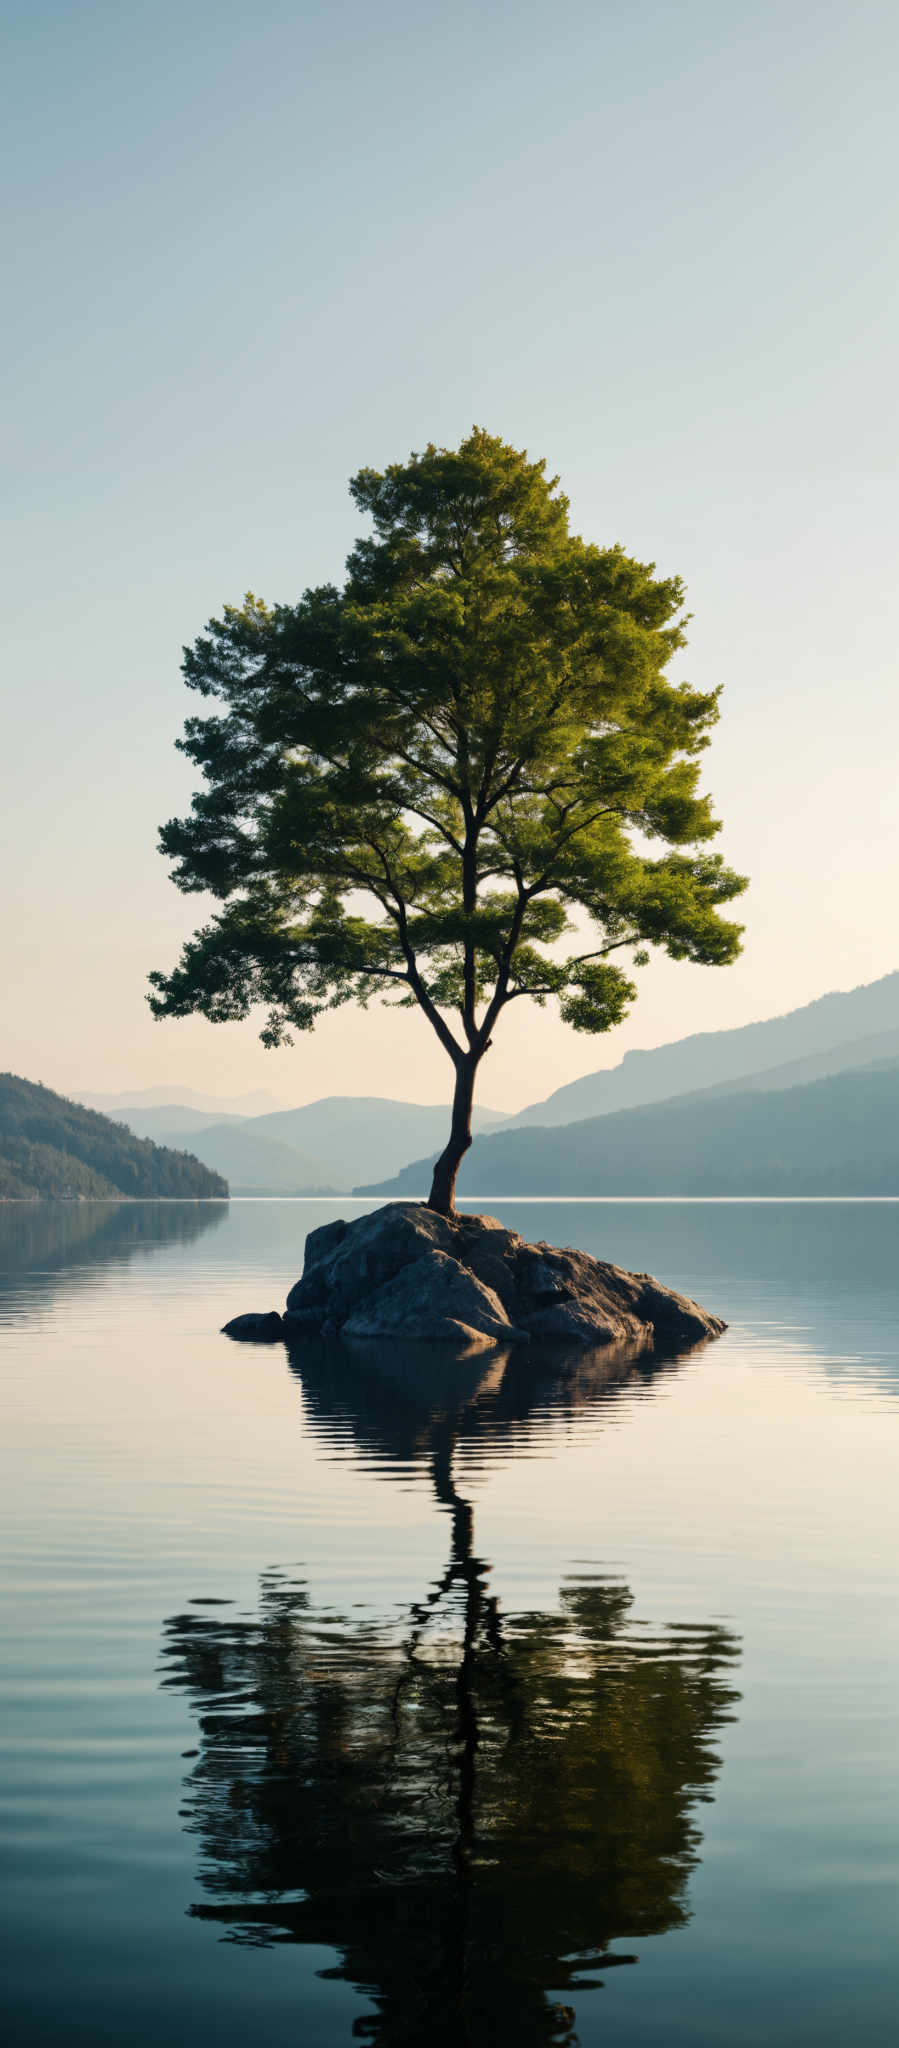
[404,1272]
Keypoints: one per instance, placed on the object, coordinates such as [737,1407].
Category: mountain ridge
[681,1065]
[322,1147]
[838,1135]
[181,1098]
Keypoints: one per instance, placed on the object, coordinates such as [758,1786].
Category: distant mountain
[323,1147]
[259,1103]
[714,1057]
[882,1046]
[361,1136]
[254,1164]
[165,1120]
[836,1136]
[51,1147]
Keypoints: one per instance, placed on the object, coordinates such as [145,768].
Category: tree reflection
[469,1807]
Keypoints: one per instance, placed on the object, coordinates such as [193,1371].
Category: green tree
[423,782]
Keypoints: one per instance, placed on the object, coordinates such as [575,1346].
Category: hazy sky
[254,249]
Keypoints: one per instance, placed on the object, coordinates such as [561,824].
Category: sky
[251,251]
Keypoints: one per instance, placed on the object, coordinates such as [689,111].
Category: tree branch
[421,993]
[582,825]
[501,984]
[445,833]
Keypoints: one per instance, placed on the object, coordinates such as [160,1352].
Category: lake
[551,1705]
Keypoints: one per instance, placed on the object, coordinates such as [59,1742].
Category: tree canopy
[461,779]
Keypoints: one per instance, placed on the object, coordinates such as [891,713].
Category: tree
[422,782]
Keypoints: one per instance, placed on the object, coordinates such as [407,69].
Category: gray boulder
[347,1261]
[436,1297]
[404,1272]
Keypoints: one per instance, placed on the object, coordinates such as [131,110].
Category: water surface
[547,1705]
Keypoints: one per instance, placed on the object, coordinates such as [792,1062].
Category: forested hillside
[838,1136]
[51,1147]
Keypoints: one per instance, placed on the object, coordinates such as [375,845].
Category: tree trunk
[443,1186]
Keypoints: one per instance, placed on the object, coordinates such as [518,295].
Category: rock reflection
[469,1807]
[384,1401]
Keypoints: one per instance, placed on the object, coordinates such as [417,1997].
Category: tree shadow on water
[469,1806]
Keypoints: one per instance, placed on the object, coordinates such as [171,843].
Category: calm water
[558,1706]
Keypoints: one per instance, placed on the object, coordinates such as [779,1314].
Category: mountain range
[747,1110]
[822,1120]
[323,1147]
[707,1057]
[837,1136]
[257,1103]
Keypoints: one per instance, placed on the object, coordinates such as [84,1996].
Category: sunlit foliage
[462,779]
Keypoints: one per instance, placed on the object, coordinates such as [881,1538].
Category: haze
[253,252]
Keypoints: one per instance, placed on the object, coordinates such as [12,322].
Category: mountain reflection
[52,1247]
[470,1807]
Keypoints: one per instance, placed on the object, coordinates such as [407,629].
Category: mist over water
[542,1702]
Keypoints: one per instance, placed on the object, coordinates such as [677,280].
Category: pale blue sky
[252,251]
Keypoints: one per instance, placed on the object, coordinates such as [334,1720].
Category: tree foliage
[461,779]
